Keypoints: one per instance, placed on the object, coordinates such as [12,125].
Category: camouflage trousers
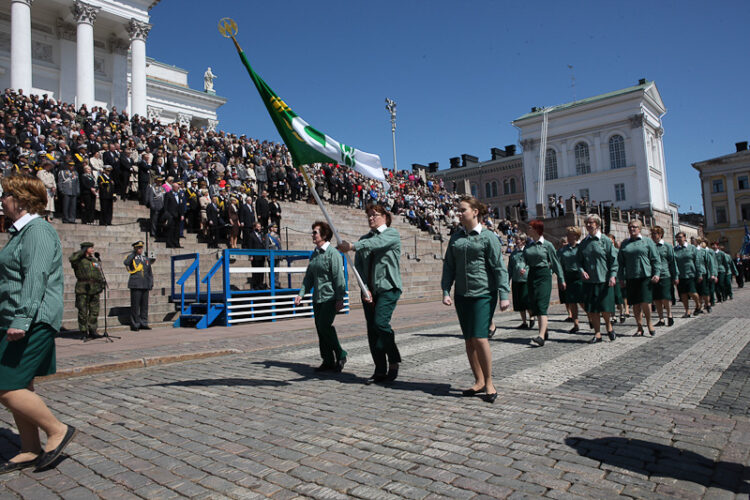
[88,312]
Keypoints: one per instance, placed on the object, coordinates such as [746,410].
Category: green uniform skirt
[704,287]
[520,293]
[687,285]
[32,356]
[599,297]
[573,293]
[663,289]
[540,290]
[638,291]
[475,315]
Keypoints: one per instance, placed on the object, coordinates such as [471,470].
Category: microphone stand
[106,336]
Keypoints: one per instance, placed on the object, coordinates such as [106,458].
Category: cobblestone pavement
[642,417]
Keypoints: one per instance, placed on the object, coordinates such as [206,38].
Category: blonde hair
[573,230]
[28,191]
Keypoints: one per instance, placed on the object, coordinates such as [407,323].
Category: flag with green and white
[308,145]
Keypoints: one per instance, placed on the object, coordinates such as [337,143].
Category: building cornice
[195,95]
[489,167]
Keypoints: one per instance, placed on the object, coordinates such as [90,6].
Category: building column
[20,45]
[85,15]
[138,32]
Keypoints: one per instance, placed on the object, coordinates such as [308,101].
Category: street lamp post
[391,107]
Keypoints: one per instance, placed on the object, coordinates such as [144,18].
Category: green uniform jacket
[475,263]
[721,261]
[690,262]
[568,256]
[541,255]
[598,257]
[31,290]
[668,267]
[325,276]
[89,278]
[709,257]
[731,267]
[516,264]
[380,252]
[638,258]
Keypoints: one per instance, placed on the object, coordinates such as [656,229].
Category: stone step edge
[130,364]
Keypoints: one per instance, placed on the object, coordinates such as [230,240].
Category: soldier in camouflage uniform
[89,285]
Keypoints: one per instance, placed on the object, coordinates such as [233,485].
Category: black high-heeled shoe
[670,321]
[574,329]
[652,332]
[612,336]
[490,398]
[595,340]
[471,392]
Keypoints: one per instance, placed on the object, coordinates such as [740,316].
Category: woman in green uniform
[706,290]
[690,272]
[541,257]
[325,277]
[518,273]
[31,310]
[573,293]
[639,268]
[597,261]
[474,262]
[377,261]
[662,290]
[622,305]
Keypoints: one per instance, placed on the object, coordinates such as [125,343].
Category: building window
[619,192]
[745,211]
[583,193]
[616,152]
[717,186]
[474,191]
[583,160]
[512,186]
[488,190]
[742,182]
[494,188]
[721,215]
[550,165]
[506,187]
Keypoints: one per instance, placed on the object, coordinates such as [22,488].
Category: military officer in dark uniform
[89,285]
[106,196]
[140,282]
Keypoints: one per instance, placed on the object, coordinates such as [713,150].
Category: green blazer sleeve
[554,262]
[449,268]
[653,257]
[40,250]
[337,275]
[700,263]
[494,259]
[620,266]
[672,261]
[307,282]
[613,264]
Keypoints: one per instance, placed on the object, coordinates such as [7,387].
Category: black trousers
[69,208]
[87,214]
[138,307]
[106,205]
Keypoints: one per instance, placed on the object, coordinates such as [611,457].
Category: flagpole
[311,186]
[228,28]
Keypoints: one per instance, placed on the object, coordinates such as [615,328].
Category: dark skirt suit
[31,299]
[667,272]
[377,261]
[474,262]
[541,257]
[639,261]
[690,265]
[573,293]
[519,285]
[597,256]
[325,277]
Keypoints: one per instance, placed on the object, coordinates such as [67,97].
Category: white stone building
[94,53]
[608,148]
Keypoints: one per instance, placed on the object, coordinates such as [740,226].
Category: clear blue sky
[461,71]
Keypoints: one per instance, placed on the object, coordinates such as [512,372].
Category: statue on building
[208,80]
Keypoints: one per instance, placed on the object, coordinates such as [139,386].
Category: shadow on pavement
[245,382]
[306,372]
[655,459]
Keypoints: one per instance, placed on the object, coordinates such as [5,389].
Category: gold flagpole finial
[228,29]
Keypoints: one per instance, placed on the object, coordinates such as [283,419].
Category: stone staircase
[421,262]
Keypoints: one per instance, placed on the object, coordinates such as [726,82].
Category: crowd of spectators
[214,183]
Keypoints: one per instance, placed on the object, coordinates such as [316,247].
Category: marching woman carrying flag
[474,262]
